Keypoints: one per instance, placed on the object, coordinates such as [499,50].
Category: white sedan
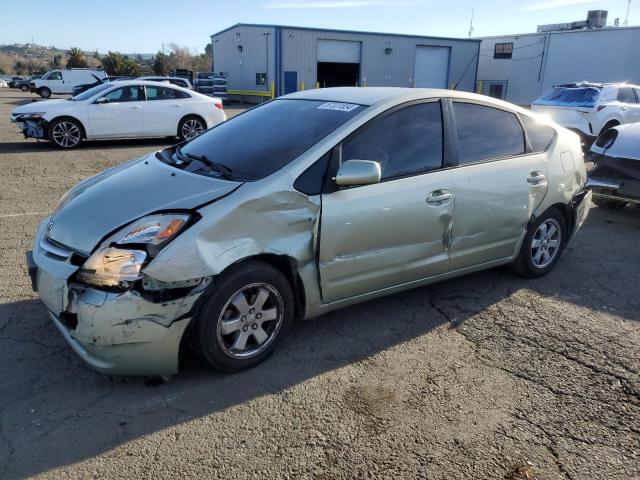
[126,109]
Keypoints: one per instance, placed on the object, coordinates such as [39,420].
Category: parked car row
[120,109]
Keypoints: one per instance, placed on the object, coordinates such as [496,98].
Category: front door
[290,82]
[120,115]
[395,232]
[498,185]
[54,82]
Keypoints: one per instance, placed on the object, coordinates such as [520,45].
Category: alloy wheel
[250,320]
[66,134]
[546,243]
[191,129]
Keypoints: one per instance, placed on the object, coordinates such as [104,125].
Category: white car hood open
[626,144]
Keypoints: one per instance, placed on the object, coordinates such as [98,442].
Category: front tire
[542,246]
[65,133]
[24,88]
[44,92]
[190,127]
[244,318]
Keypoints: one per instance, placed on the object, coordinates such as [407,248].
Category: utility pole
[626,19]
[266,44]
[471,24]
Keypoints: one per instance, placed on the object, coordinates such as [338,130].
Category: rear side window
[486,132]
[164,93]
[405,142]
[540,135]
[626,95]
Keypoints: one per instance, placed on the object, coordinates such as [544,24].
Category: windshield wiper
[223,170]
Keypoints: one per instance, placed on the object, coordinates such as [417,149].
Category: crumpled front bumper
[30,128]
[117,333]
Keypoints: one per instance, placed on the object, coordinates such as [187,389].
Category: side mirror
[102,100]
[358,172]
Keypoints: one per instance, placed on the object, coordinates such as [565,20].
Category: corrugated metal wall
[607,55]
[299,54]
[241,67]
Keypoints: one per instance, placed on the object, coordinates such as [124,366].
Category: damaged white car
[308,203]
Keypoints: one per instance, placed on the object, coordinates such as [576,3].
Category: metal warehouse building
[259,57]
[519,68]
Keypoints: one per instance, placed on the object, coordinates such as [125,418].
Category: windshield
[261,141]
[91,92]
[570,97]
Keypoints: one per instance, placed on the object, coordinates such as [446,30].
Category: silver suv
[308,203]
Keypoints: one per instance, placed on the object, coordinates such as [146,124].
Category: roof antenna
[626,19]
[471,24]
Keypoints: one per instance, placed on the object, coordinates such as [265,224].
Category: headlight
[29,116]
[113,264]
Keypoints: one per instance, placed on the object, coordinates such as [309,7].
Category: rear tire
[610,204]
[244,317]
[542,245]
[190,127]
[24,88]
[65,133]
[44,92]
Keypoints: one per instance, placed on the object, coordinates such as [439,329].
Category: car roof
[595,85]
[372,95]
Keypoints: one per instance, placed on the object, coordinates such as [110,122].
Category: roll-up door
[431,67]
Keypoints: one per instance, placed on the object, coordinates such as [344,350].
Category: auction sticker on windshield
[341,107]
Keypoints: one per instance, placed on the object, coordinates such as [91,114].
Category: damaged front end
[31,125]
[118,319]
[615,176]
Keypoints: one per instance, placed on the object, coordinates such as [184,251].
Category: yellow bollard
[302,86]
[273,89]
[317,84]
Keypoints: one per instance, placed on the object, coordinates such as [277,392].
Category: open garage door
[338,63]
[431,67]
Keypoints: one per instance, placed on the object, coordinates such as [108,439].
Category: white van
[63,80]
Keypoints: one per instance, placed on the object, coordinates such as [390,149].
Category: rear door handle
[438,197]
[135,107]
[178,105]
[536,177]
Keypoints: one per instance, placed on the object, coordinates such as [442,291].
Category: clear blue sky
[133,26]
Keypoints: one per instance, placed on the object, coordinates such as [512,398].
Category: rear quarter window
[540,135]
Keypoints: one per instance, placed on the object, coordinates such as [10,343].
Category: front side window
[261,78]
[405,142]
[55,76]
[124,94]
[626,95]
[164,93]
[503,50]
[279,131]
[485,133]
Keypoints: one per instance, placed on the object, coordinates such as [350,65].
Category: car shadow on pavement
[33,146]
[54,411]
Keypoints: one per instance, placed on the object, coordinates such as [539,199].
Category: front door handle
[135,107]
[438,197]
[536,177]
[178,105]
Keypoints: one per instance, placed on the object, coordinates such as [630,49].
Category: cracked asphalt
[485,376]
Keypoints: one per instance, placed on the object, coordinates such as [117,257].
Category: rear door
[395,232]
[164,108]
[499,184]
[121,116]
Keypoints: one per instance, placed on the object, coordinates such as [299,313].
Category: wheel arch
[612,122]
[69,117]
[287,266]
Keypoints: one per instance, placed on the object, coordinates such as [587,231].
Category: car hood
[114,198]
[42,106]
[626,144]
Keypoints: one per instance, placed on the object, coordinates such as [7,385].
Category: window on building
[496,90]
[405,142]
[261,78]
[626,95]
[485,133]
[503,50]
